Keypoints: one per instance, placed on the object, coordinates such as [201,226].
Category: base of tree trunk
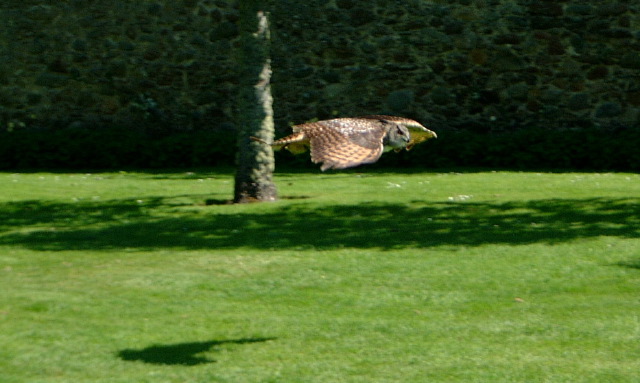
[247,192]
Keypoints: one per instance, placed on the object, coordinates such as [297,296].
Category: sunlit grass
[349,277]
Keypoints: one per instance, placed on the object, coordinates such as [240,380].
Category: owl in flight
[346,142]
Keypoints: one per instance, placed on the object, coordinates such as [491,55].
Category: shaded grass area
[350,277]
[127,223]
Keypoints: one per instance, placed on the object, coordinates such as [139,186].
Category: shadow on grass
[632,263]
[182,353]
[163,223]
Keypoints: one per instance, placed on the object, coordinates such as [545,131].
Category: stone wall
[486,65]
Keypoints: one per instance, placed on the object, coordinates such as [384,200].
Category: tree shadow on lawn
[160,223]
[182,353]
[632,263]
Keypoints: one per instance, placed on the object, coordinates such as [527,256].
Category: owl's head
[397,137]
[404,133]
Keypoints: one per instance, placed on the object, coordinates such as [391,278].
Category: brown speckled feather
[339,144]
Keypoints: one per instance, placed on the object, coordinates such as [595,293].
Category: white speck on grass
[460,197]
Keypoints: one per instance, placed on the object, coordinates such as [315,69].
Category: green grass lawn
[358,276]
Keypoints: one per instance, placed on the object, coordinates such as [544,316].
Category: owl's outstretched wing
[344,142]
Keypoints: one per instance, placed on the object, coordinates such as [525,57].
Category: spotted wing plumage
[343,143]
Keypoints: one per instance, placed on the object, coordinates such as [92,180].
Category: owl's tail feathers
[275,145]
[296,143]
[256,139]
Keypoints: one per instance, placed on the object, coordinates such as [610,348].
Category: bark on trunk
[255,161]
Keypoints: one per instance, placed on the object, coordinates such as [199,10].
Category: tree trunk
[255,161]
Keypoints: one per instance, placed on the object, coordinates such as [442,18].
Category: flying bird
[347,142]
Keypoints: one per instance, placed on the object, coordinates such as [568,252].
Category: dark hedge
[114,148]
